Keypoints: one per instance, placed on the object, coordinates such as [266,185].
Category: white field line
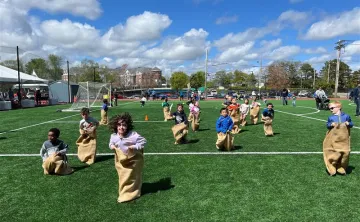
[317,111]
[50,121]
[189,153]
[140,121]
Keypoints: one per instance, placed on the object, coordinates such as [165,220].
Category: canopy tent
[8,75]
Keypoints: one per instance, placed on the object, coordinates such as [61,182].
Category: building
[141,77]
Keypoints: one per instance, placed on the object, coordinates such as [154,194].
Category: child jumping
[224,125]
[180,129]
[336,145]
[129,160]
[53,154]
[87,141]
[104,113]
[166,110]
[234,113]
[267,118]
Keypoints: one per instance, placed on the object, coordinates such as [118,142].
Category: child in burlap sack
[336,145]
[180,130]
[224,125]
[129,160]
[267,117]
[53,154]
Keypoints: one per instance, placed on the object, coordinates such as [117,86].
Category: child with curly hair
[129,161]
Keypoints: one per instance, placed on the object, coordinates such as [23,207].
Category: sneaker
[341,171]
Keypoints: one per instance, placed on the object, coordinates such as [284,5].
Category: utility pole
[328,77]
[206,70]
[68,72]
[314,79]
[260,74]
[338,47]
[94,73]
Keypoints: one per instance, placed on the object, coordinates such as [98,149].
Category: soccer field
[280,178]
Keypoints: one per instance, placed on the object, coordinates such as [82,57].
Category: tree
[277,76]
[355,78]
[306,75]
[55,63]
[251,80]
[240,78]
[87,69]
[38,65]
[197,79]
[179,80]
[344,73]
[12,64]
[224,79]
[163,80]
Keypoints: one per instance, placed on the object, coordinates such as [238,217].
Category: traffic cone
[146,118]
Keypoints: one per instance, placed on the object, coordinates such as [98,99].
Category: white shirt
[244,108]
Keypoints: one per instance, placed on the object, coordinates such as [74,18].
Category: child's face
[51,137]
[246,101]
[122,128]
[334,109]
[224,113]
[233,101]
[270,107]
[180,108]
[84,115]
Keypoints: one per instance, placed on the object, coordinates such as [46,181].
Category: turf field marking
[308,117]
[140,121]
[317,111]
[50,121]
[189,153]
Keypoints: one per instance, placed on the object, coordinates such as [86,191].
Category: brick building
[141,77]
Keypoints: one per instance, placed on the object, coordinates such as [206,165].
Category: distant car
[174,97]
[303,93]
[30,95]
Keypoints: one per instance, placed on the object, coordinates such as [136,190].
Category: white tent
[8,75]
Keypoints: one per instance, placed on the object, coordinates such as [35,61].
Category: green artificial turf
[180,187]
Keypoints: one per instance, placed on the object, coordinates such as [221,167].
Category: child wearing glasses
[336,145]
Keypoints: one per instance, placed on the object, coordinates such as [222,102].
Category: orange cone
[146,118]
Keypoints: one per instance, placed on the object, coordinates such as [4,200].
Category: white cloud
[284,52]
[147,26]
[107,59]
[187,47]
[353,48]
[90,9]
[318,50]
[233,54]
[333,26]
[270,45]
[226,19]
[321,59]
[289,18]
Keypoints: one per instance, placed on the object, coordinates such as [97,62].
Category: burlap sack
[254,114]
[243,120]
[56,165]
[235,116]
[195,124]
[225,141]
[336,149]
[104,117]
[129,168]
[179,131]
[268,126]
[167,115]
[87,147]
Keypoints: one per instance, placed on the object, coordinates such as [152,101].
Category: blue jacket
[269,113]
[335,119]
[223,124]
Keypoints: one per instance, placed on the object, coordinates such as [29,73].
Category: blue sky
[173,35]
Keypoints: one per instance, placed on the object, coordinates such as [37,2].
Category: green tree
[40,66]
[329,69]
[355,78]
[197,79]
[87,70]
[55,63]
[306,75]
[251,80]
[12,64]
[240,78]
[224,79]
[179,80]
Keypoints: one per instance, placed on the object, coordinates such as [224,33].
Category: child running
[129,160]
[87,141]
[336,145]
[53,154]
[104,113]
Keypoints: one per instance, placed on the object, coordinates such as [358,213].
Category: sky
[174,35]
